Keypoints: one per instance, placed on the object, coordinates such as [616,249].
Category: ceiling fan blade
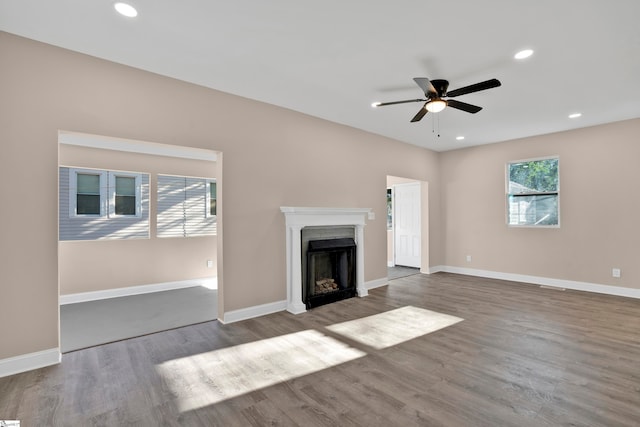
[463,106]
[475,87]
[420,114]
[382,104]
[425,85]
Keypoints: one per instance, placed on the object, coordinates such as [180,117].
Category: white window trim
[208,199]
[73,192]
[506,175]
[112,193]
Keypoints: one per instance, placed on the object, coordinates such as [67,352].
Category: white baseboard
[391,264]
[545,281]
[436,269]
[211,283]
[28,362]
[251,312]
[264,309]
[274,307]
[372,284]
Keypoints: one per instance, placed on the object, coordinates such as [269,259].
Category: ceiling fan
[436,90]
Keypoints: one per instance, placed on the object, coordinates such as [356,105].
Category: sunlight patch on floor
[394,327]
[208,378]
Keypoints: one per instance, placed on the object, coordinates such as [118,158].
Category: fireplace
[331,272]
[299,219]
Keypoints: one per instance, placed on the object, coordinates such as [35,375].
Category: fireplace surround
[296,219]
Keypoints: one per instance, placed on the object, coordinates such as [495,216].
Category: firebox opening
[331,271]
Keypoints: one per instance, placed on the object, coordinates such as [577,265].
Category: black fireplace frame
[346,285]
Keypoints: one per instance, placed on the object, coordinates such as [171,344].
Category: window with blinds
[185,206]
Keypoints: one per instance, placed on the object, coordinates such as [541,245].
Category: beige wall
[267,153]
[598,207]
[86,266]
[266,161]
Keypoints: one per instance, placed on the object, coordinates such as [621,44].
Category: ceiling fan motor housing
[440,86]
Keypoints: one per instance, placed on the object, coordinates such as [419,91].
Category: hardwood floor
[522,356]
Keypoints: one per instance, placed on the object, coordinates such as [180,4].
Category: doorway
[407,223]
[150,260]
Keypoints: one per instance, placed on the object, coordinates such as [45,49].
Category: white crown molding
[30,361]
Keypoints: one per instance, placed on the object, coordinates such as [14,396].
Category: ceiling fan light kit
[435,90]
[435,106]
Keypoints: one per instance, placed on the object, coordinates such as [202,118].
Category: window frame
[508,194]
[208,199]
[73,192]
[112,193]
[107,192]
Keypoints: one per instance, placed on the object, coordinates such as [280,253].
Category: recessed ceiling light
[523,54]
[459,138]
[574,115]
[126,10]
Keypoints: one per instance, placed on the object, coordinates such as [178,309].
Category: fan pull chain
[434,125]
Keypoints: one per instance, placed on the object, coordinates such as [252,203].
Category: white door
[406,224]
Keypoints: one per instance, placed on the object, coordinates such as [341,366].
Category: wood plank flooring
[522,356]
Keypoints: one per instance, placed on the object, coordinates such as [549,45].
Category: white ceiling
[333,58]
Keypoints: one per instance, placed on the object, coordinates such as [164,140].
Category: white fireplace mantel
[298,218]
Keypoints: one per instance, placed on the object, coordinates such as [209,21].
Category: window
[99,204]
[87,192]
[90,195]
[211,198]
[124,194]
[533,193]
[186,206]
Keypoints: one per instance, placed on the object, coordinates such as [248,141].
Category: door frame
[424,221]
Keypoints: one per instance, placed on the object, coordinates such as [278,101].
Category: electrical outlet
[615,272]
[209,263]
[468,258]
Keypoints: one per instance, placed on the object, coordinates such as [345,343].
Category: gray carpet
[87,324]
